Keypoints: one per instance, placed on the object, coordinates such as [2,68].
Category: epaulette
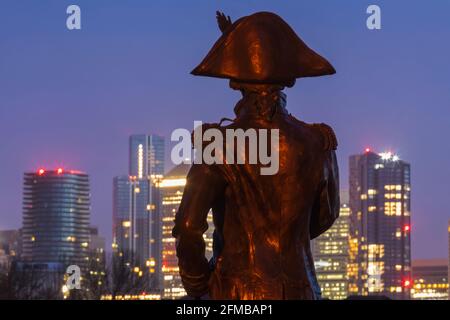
[329,138]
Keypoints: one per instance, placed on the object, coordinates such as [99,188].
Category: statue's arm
[326,209]
[203,186]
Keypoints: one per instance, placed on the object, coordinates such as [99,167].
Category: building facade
[137,225]
[97,263]
[331,255]
[136,208]
[380,250]
[146,155]
[430,279]
[172,187]
[10,247]
[56,214]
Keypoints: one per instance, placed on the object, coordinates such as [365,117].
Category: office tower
[172,187]
[137,224]
[146,155]
[136,202]
[380,259]
[331,254]
[430,279]
[56,213]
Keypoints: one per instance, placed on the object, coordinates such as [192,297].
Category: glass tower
[136,207]
[380,250]
[56,212]
[146,155]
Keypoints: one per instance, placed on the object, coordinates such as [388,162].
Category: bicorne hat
[261,48]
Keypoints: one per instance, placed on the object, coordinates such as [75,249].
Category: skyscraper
[136,207]
[331,255]
[146,155]
[380,188]
[172,187]
[56,213]
[137,224]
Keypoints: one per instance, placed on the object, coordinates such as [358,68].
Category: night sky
[71,98]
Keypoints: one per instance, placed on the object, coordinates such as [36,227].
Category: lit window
[126,224]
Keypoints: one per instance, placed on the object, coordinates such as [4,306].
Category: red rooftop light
[60,170]
[367,150]
[407,228]
[406,283]
[41,172]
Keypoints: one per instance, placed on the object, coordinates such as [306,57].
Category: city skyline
[67,102]
[375,180]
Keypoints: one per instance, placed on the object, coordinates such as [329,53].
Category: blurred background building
[172,187]
[97,260]
[56,215]
[136,209]
[55,233]
[10,248]
[146,155]
[331,255]
[380,263]
[430,279]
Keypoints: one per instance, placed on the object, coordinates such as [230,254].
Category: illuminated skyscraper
[137,224]
[136,203]
[172,187]
[430,278]
[380,251]
[146,155]
[56,213]
[331,254]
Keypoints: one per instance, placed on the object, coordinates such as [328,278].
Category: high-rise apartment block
[56,213]
[380,250]
[136,207]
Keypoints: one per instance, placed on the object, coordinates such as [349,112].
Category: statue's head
[261,49]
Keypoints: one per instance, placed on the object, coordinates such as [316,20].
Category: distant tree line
[117,277]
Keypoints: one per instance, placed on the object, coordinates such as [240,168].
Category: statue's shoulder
[328,136]
[321,130]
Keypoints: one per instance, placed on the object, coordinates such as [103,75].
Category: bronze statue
[263,224]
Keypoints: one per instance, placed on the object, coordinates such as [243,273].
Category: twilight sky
[72,98]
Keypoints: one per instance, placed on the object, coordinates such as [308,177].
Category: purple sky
[71,98]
